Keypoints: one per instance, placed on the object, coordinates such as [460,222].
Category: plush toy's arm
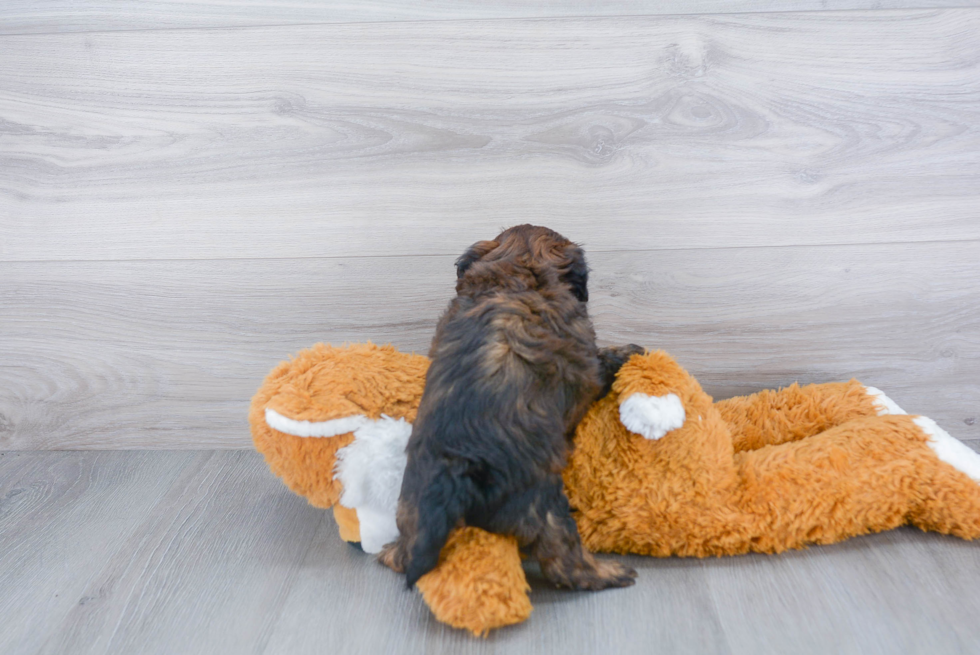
[655,394]
[479,583]
[652,416]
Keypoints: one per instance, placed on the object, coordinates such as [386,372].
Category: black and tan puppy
[514,369]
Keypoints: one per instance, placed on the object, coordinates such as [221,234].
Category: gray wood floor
[206,552]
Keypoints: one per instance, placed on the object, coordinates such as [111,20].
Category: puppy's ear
[476,252]
[576,272]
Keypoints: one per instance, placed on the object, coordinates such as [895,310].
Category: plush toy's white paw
[883,403]
[950,449]
[652,416]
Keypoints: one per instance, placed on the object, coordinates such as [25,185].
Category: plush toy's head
[310,407]
[333,424]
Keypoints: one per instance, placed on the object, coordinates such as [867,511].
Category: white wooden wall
[191,191]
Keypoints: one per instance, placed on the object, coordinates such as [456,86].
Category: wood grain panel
[411,138]
[166,354]
[26,17]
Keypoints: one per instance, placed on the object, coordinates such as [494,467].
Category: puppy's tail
[442,503]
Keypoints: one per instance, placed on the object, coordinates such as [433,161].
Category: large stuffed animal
[657,468]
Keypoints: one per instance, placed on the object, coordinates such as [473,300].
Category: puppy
[514,369]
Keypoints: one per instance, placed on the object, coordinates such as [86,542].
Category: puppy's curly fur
[514,368]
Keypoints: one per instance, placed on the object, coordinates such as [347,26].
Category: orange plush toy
[657,469]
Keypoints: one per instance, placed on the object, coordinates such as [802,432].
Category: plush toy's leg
[794,413]
[866,475]
[954,505]
[350,528]
[479,583]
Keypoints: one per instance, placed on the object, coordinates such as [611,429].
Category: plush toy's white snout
[652,416]
[370,468]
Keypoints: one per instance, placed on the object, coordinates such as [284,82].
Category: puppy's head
[547,255]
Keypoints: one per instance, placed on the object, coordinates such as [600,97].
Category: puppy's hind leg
[393,555]
[546,526]
[427,512]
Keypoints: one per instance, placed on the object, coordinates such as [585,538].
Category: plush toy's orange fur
[762,473]
[768,472]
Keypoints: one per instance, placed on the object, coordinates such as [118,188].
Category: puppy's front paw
[611,360]
[652,416]
[628,350]
[614,357]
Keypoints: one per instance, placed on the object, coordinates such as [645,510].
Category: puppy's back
[512,359]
